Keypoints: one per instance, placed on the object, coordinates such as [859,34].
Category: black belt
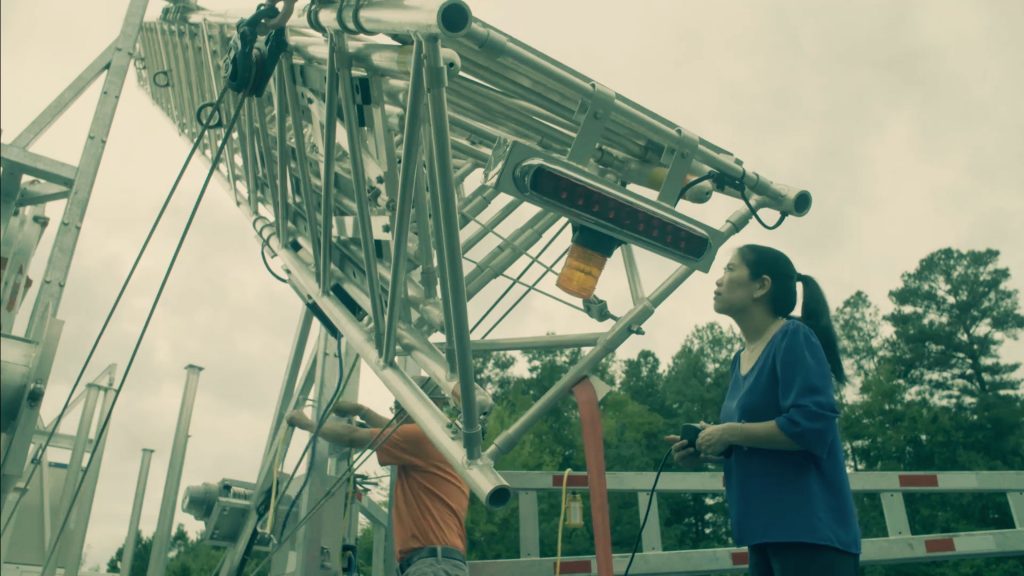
[430,552]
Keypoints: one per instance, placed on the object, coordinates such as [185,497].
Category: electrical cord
[37,457]
[310,447]
[753,212]
[102,430]
[561,523]
[321,420]
[650,500]
[265,245]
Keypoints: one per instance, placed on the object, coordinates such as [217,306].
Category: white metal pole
[162,535]
[133,524]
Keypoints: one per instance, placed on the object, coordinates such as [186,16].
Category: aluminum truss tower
[353,168]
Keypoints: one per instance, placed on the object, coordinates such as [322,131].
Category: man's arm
[343,408]
[333,431]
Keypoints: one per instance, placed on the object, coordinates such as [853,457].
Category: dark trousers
[801,559]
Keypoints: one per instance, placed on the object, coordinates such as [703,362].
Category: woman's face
[734,290]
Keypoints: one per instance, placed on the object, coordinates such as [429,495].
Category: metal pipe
[330,143]
[74,472]
[164,523]
[128,554]
[442,256]
[305,185]
[492,223]
[83,508]
[620,332]
[436,82]
[553,342]
[505,254]
[355,156]
[403,206]
[636,287]
[451,18]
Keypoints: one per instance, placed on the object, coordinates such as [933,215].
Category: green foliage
[935,395]
[186,556]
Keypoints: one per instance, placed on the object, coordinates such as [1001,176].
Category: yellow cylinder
[581,272]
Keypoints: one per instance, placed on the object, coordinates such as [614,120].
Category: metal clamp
[679,159]
[249,63]
[595,112]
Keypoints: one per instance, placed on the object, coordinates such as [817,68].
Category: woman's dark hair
[765,261]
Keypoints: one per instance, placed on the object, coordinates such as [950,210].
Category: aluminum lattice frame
[438,90]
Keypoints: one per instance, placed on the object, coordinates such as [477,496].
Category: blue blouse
[789,495]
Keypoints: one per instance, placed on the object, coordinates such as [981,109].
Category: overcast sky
[903,119]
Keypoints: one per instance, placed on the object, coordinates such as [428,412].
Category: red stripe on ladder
[940,545]
[574,567]
[740,558]
[919,480]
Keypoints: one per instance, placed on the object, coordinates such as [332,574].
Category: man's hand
[298,419]
[344,408]
[714,439]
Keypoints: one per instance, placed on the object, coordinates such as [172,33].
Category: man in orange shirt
[430,501]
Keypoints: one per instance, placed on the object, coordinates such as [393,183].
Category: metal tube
[636,287]
[330,144]
[553,342]
[436,80]
[355,155]
[442,259]
[305,186]
[451,18]
[505,254]
[74,472]
[619,333]
[428,273]
[128,553]
[492,223]
[164,523]
[83,508]
[403,206]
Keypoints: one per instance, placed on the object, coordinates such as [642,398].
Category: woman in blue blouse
[785,480]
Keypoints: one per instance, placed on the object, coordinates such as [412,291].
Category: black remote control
[689,432]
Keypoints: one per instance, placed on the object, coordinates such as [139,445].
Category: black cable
[523,295]
[693,183]
[37,458]
[643,524]
[263,256]
[321,420]
[519,277]
[753,212]
[145,326]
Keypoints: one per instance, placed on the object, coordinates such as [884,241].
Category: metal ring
[162,79]
[212,119]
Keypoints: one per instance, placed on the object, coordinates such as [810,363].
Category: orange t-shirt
[431,500]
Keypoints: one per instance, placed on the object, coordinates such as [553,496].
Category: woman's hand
[683,454]
[715,438]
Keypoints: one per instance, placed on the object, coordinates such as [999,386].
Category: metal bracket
[596,308]
[679,159]
[593,114]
